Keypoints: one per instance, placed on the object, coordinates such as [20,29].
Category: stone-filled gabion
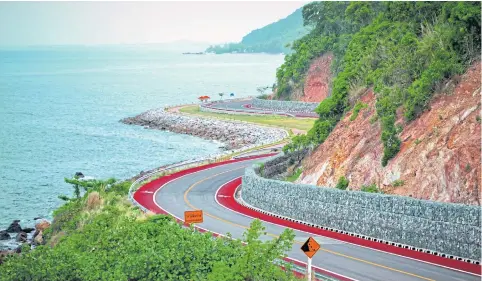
[279,164]
[452,229]
[288,106]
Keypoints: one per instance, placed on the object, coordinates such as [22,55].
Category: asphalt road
[240,105]
[197,191]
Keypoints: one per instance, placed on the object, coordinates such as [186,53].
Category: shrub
[372,188]
[356,109]
[398,182]
[93,200]
[342,183]
[295,175]
[117,247]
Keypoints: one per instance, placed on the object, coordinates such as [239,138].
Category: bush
[342,183]
[403,50]
[372,188]
[118,246]
[93,201]
[356,109]
[295,175]
[398,182]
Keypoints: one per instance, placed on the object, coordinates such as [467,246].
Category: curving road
[198,190]
[246,107]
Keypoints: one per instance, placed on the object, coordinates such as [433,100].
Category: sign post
[193,216]
[308,270]
[310,247]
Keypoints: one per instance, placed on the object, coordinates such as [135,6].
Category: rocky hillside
[316,86]
[439,156]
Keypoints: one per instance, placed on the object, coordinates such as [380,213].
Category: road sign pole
[310,247]
[308,270]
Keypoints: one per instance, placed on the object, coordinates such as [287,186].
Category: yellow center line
[276,236]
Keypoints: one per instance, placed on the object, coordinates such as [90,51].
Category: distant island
[274,38]
[195,53]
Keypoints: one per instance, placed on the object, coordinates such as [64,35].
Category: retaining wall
[290,106]
[279,164]
[452,229]
[206,108]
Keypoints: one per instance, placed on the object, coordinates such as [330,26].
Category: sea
[60,108]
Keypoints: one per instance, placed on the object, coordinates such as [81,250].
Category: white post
[308,270]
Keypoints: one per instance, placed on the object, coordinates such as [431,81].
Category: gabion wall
[279,164]
[452,229]
[293,106]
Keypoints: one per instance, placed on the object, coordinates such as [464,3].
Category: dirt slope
[317,82]
[439,157]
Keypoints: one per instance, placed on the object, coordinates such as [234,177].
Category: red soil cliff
[317,81]
[439,157]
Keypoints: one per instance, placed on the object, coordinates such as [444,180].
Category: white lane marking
[216,199]
[450,268]
[219,234]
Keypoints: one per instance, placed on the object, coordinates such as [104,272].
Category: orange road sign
[193,216]
[310,247]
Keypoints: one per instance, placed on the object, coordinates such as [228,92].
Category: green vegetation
[468,168]
[271,120]
[261,168]
[398,182]
[297,142]
[372,188]
[295,175]
[403,50]
[274,38]
[356,109]
[342,183]
[101,236]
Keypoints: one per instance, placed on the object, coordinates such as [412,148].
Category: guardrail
[188,164]
[210,108]
[196,162]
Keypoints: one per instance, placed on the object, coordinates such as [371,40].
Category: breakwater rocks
[233,135]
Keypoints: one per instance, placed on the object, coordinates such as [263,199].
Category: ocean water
[60,107]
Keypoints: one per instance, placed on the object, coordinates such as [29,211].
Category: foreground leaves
[112,242]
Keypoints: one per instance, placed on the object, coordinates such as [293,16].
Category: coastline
[232,134]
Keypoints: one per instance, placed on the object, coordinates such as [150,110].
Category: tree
[221,95]
[402,50]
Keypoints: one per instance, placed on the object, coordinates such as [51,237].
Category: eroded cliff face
[439,157]
[317,81]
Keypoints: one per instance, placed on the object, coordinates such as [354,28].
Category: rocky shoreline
[233,135]
[14,237]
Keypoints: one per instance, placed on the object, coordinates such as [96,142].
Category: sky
[93,23]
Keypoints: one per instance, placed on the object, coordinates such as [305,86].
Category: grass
[267,120]
[398,182]
[294,176]
[358,106]
[372,188]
